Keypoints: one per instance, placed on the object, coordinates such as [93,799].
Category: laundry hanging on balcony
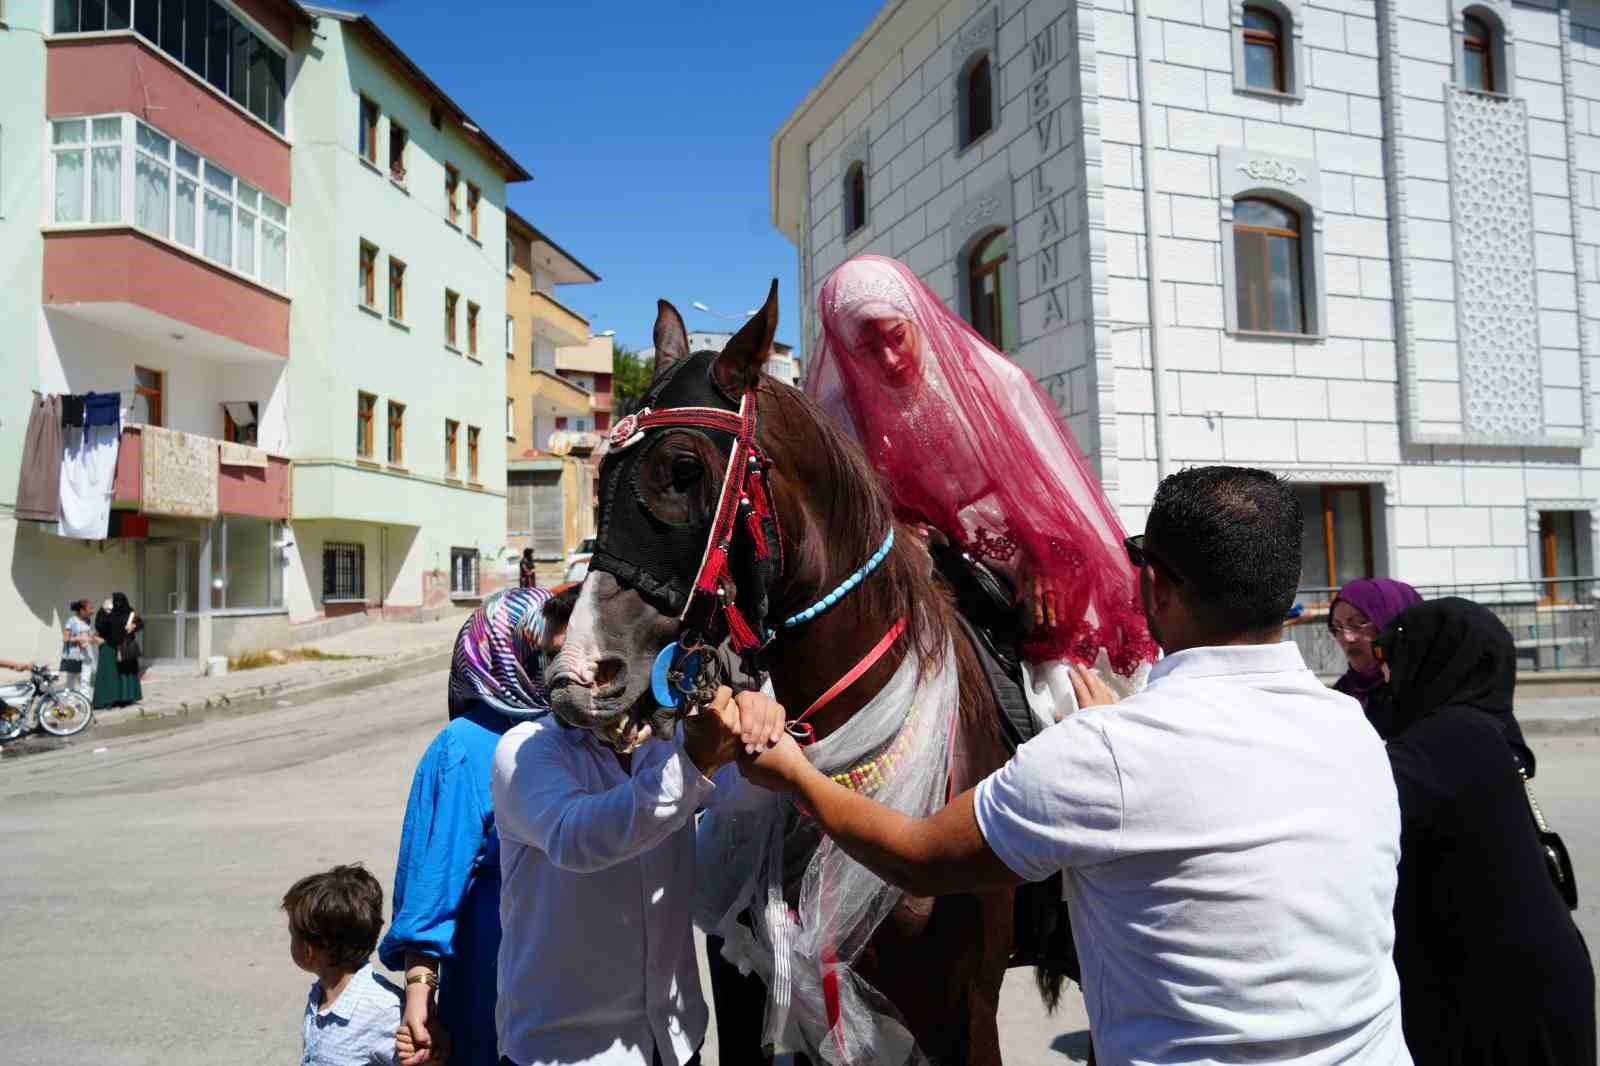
[178,474]
[39,480]
[88,475]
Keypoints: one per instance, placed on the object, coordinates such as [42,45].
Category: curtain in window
[105,203]
[150,184]
[274,256]
[69,186]
[247,242]
[183,229]
[218,230]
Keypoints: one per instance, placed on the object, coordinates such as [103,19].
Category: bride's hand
[1040,596]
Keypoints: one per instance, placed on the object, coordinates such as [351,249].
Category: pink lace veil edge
[978,451]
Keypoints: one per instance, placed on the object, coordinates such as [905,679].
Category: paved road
[141,880]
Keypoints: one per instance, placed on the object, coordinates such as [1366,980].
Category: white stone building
[1374,267]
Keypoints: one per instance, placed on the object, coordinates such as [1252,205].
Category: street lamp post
[698,306]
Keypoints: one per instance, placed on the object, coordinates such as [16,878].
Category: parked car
[578,560]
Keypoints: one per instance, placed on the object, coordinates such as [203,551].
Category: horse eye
[685,474]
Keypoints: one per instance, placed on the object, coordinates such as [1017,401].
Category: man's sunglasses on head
[1141,557]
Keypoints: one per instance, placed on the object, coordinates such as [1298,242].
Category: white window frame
[1291,50]
[473,561]
[511,418]
[511,335]
[1297,185]
[241,197]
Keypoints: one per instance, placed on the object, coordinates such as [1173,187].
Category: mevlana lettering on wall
[1042,55]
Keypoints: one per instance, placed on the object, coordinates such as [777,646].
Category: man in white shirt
[597,964]
[1229,835]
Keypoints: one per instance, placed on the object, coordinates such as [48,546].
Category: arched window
[855,198]
[1263,50]
[986,288]
[1266,249]
[977,101]
[1477,54]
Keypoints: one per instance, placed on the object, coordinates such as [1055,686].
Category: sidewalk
[382,652]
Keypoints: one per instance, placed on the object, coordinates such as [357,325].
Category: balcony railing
[241,490]
[1555,622]
[567,325]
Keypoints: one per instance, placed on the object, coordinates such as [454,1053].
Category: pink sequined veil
[974,448]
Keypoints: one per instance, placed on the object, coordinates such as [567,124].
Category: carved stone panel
[1497,308]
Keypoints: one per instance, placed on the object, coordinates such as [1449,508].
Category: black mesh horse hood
[658,559]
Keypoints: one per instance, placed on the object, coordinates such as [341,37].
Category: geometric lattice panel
[1497,308]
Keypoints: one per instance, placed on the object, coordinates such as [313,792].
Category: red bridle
[745,495]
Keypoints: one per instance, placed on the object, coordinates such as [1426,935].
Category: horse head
[659,492]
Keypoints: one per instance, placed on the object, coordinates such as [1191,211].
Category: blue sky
[647,128]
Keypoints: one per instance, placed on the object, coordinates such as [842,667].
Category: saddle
[986,608]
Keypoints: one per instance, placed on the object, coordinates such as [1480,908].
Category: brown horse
[939,963]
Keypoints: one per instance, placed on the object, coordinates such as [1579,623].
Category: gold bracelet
[429,979]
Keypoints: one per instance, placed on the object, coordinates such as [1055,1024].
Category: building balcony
[601,401]
[124,73]
[592,356]
[241,490]
[148,234]
[557,322]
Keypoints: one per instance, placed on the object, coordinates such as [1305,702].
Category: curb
[255,699]
[1586,726]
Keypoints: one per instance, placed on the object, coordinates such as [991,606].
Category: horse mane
[857,515]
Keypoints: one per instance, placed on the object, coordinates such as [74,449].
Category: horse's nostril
[610,676]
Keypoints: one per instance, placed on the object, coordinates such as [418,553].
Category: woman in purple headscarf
[1358,615]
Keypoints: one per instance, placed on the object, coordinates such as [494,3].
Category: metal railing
[1554,621]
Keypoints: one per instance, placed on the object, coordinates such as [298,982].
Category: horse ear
[671,339]
[739,366]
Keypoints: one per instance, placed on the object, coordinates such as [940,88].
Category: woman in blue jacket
[445,932]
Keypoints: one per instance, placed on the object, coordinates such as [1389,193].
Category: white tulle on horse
[896,749]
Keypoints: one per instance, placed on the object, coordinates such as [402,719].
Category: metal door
[169,589]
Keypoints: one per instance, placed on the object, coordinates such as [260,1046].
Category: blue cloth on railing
[101,409]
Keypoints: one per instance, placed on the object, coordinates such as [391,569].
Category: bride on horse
[970,448]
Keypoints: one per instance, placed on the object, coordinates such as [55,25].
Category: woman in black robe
[1493,972]
[116,678]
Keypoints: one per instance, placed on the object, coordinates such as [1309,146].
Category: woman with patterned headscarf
[445,932]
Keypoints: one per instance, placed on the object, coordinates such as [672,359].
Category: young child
[352,1013]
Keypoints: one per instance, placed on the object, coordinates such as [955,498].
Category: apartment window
[344,572]
[216,45]
[452,186]
[473,195]
[397,151]
[240,422]
[472,453]
[1477,54]
[450,301]
[246,563]
[366,408]
[369,131]
[1263,49]
[511,337]
[986,286]
[508,257]
[149,391]
[855,198]
[1337,545]
[177,194]
[397,433]
[1267,260]
[1558,554]
[977,100]
[472,328]
[464,572]
[397,289]
[452,431]
[1267,51]
[368,283]
[86,156]
[511,419]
